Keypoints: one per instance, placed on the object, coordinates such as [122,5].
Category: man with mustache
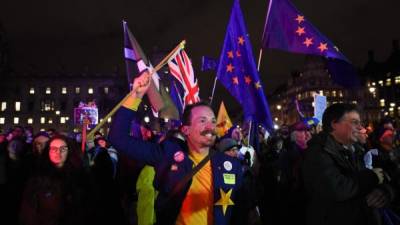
[210,196]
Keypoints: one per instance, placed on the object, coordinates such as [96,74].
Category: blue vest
[171,162]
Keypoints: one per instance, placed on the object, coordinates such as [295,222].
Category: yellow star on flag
[240,40]
[229,68]
[300,31]
[299,19]
[238,54]
[323,47]
[257,85]
[308,42]
[247,79]
[230,54]
[235,80]
[225,200]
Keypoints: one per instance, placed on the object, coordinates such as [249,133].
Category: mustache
[204,132]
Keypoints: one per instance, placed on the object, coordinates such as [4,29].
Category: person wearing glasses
[57,192]
[340,190]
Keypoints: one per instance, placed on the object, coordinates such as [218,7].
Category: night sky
[49,35]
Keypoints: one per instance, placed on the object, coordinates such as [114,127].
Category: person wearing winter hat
[229,146]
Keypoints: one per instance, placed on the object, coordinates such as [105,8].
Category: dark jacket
[170,170]
[337,184]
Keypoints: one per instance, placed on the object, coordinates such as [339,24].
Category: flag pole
[248,136]
[265,26]
[213,90]
[165,60]
[259,59]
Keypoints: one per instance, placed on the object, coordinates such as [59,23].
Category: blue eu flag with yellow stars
[237,71]
[287,29]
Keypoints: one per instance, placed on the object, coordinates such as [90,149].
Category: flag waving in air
[288,29]
[136,62]
[223,121]
[238,73]
[181,68]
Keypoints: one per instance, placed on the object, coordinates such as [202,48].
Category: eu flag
[287,29]
[237,71]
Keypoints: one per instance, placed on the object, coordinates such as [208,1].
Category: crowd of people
[345,173]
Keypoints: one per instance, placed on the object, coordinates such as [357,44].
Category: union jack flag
[181,68]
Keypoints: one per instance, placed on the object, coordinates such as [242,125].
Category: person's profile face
[348,127]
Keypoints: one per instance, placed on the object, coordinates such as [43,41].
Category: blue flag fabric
[287,29]
[208,63]
[237,71]
[175,93]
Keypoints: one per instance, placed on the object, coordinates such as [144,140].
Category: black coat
[337,184]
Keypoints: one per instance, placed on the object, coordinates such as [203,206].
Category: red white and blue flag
[182,70]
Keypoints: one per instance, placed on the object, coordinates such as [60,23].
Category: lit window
[382,102]
[90,91]
[77,90]
[42,129]
[388,82]
[391,109]
[63,90]
[57,112]
[32,91]
[42,120]
[354,102]
[333,93]
[392,104]
[17,106]
[341,94]
[109,119]
[48,90]
[62,120]
[380,83]
[3,106]
[50,121]
[30,120]
[16,120]
[47,105]
[2,120]
[106,90]
[397,80]
[321,92]
[373,83]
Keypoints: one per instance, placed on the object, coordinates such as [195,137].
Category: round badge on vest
[228,165]
[179,156]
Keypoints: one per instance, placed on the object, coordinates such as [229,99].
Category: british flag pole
[163,62]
